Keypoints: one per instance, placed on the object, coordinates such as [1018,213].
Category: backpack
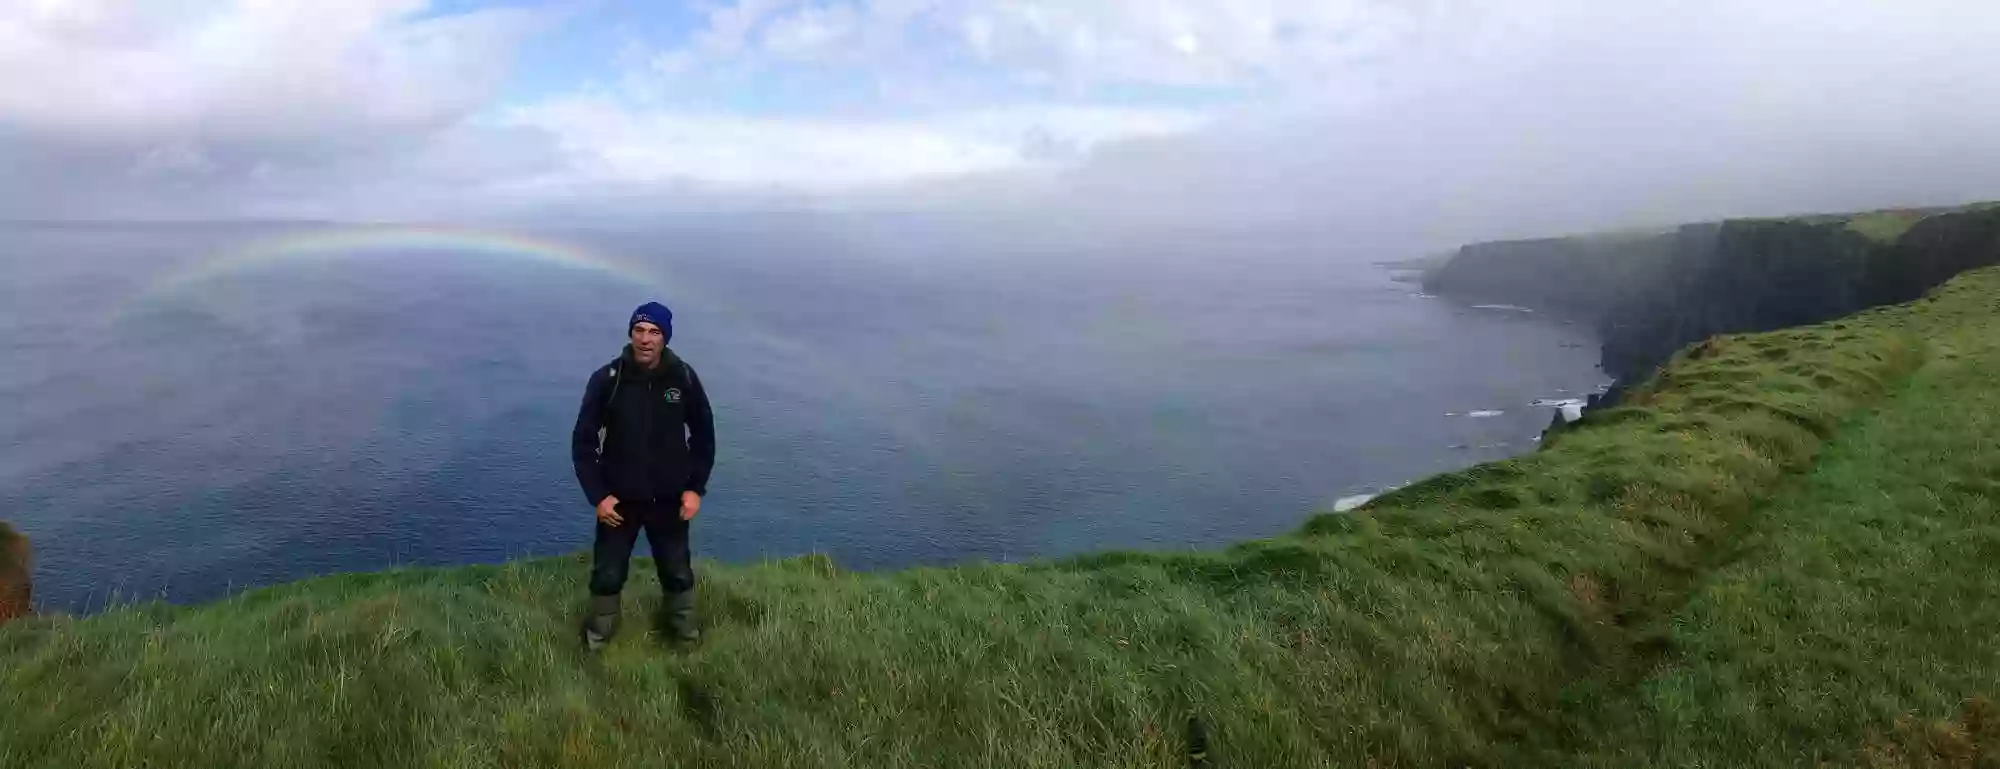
[611,394]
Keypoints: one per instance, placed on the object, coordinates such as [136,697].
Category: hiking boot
[680,617]
[602,623]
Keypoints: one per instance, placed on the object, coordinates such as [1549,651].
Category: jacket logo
[673,395]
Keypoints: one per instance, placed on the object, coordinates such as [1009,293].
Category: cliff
[1651,295]
[1576,277]
[1767,556]
[16,592]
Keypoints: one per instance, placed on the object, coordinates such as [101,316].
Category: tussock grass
[1571,606]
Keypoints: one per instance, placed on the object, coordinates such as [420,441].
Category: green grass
[1888,225]
[1760,558]
[1885,226]
[1862,596]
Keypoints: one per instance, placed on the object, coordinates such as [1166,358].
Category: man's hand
[607,513]
[690,504]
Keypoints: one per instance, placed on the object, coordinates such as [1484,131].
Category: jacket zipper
[647,431]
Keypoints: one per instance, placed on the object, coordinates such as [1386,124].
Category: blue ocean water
[888,391]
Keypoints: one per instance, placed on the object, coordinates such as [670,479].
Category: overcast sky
[1434,118]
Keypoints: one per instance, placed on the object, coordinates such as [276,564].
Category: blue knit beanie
[656,314]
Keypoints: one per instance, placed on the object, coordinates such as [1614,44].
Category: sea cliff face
[1649,295]
[1580,277]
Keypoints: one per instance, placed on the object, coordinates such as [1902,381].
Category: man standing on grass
[643,446]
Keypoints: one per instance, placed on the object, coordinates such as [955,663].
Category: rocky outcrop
[1649,296]
[16,591]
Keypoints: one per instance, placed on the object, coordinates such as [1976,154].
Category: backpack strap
[604,406]
[611,393]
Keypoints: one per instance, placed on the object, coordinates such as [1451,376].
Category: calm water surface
[891,392]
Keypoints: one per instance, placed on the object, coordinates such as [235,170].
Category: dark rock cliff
[1649,296]
[1930,253]
[1580,277]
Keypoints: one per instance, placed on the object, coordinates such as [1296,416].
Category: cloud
[871,94]
[250,70]
[145,109]
[173,160]
[1068,47]
[1429,121]
[1183,42]
[610,141]
[1588,115]
[1080,43]
[811,33]
[1376,121]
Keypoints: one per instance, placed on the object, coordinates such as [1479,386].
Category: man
[643,446]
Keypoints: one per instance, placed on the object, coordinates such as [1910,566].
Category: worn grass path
[1858,618]
[1762,558]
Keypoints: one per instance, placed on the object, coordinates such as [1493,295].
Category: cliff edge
[1769,555]
[1649,295]
[16,591]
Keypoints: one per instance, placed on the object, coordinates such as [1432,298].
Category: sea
[195,409]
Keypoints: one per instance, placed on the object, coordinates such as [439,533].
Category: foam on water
[1346,504]
[1572,408]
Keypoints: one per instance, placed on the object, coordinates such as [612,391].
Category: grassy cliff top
[1881,226]
[1774,554]
[1887,226]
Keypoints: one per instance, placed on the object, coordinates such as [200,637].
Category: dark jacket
[657,433]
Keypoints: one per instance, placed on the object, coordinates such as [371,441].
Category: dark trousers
[666,533]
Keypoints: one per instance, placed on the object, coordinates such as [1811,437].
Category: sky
[1414,119]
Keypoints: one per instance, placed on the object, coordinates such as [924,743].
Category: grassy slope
[1885,226]
[1597,601]
[1862,596]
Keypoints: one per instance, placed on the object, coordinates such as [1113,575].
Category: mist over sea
[192,409]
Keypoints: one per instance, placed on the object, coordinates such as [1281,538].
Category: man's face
[646,343]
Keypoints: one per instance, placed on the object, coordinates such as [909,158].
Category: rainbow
[388,240]
[340,242]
